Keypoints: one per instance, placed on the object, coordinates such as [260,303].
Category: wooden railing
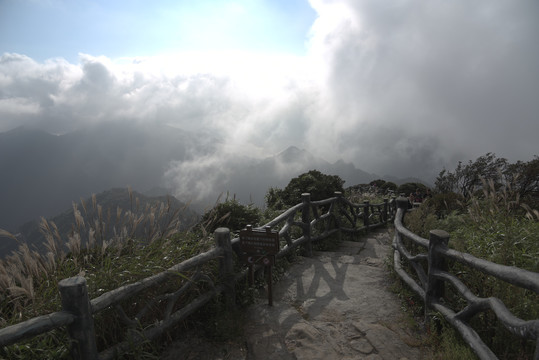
[430,275]
[300,225]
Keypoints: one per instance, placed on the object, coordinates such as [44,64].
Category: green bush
[446,203]
[231,214]
[495,228]
[319,185]
[411,187]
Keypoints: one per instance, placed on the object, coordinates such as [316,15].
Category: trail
[335,305]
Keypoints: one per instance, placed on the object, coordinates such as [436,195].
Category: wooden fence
[300,225]
[430,275]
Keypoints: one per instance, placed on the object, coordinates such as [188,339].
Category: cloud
[402,88]
[427,82]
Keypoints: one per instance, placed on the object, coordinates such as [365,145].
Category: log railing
[429,284]
[300,225]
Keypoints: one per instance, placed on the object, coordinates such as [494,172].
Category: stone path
[335,305]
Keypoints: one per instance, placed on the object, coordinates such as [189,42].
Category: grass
[113,248]
[29,279]
[498,228]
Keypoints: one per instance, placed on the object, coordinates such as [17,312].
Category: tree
[411,187]
[383,186]
[468,178]
[230,214]
[319,185]
[389,185]
[524,178]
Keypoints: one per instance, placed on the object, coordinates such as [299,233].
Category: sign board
[259,247]
[266,260]
[259,242]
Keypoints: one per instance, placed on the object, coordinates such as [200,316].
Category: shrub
[319,185]
[230,214]
[494,227]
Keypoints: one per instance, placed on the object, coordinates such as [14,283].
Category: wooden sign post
[260,247]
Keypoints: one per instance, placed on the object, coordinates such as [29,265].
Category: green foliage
[446,203]
[384,186]
[231,214]
[466,179]
[112,212]
[29,280]
[411,187]
[319,185]
[494,227]
[104,270]
[449,343]
[469,179]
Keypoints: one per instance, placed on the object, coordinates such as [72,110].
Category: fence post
[386,209]
[226,265]
[306,220]
[338,195]
[366,215]
[435,288]
[74,295]
[402,203]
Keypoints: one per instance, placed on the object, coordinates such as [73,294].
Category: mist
[400,88]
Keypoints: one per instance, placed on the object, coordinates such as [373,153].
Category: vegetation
[230,214]
[492,219]
[109,249]
[411,187]
[114,211]
[319,185]
[489,219]
[469,179]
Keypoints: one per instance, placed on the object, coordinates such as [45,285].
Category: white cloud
[402,88]
[18,106]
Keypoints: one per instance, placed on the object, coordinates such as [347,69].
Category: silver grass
[5,233]
[94,202]
[118,213]
[83,204]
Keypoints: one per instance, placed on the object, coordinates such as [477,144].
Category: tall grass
[109,249]
[498,227]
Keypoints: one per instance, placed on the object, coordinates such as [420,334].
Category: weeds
[497,227]
[109,249]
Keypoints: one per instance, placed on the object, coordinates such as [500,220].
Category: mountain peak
[292,153]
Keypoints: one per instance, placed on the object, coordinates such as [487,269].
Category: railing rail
[430,284]
[318,221]
[300,225]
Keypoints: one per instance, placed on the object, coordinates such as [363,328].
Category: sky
[401,87]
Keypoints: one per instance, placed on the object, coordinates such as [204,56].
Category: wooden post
[403,203]
[366,214]
[386,209]
[338,194]
[306,220]
[74,295]
[270,284]
[226,265]
[435,287]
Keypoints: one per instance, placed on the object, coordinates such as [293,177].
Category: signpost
[260,247]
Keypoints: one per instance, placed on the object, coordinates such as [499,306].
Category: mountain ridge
[111,202]
[44,173]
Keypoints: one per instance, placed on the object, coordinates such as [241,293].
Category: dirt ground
[335,305]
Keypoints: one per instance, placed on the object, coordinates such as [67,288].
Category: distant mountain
[43,173]
[250,180]
[110,201]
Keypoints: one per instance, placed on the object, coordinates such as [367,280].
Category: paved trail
[335,305]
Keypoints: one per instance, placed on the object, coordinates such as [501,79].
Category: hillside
[44,173]
[110,201]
